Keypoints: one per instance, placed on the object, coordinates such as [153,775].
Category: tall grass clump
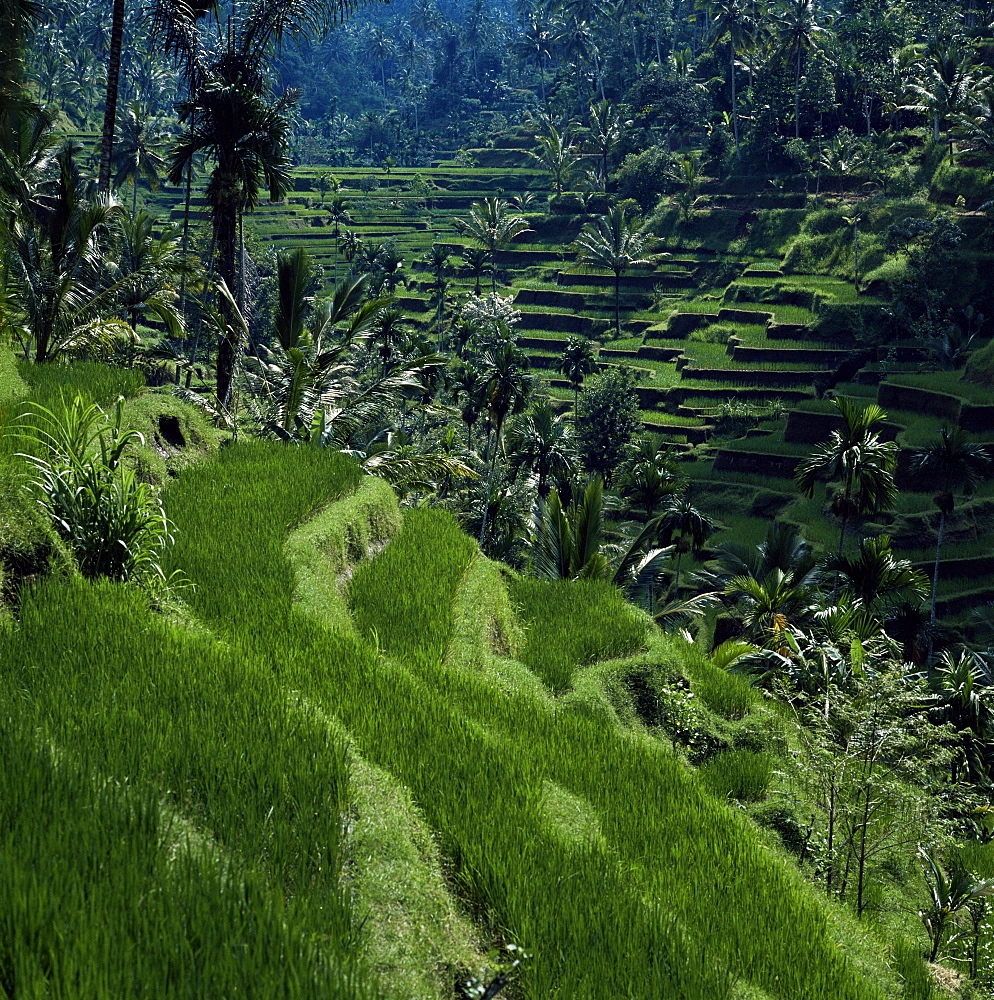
[232,517]
[105,893]
[403,599]
[137,702]
[572,623]
[737,774]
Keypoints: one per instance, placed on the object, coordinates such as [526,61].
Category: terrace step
[549,297]
[679,325]
[556,322]
[756,463]
[744,316]
[542,344]
[785,355]
[775,379]
[567,278]
[694,435]
[790,331]
[721,393]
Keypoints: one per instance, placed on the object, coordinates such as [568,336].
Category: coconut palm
[468,391]
[857,460]
[16,17]
[558,154]
[507,386]
[231,117]
[391,333]
[313,385]
[964,685]
[492,227]
[338,210]
[799,33]
[784,548]
[110,101]
[650,475]
[135,153]
[732,22]
[615,243]
[945,85]
[605,130]
[475,265]
[949,895]
[64,285]
[770,608]
[957,465]
[535,45]
[540,443]
[577,362]
[974,126]
[155,263]
[568,543]
[690,527]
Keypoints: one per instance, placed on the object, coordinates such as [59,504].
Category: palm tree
[64,284]
[475,264]
[732,22]
[957,465]
[535,45]
[231,117]
[770,607]
[568,544]
[875,572]
[605,131]
[799,33]
[507,385]
[558,154]
[390,333]
[15,19]
[110,102]
[154,263]
[135,154]
[541,443]
[577,362]
[949,895]
[468,389]
[692,528]
[650,475]
[313,385]
[784,549]
[492,226]
[614,243]
[945,86]
[338,210]
[974,126]
[857,460]
[437,259]
[964,685]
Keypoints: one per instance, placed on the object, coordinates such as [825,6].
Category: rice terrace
[497,500]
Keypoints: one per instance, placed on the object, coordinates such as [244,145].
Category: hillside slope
[324,779]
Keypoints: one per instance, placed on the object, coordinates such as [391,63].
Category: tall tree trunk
[735,113]
[110,105]
[617,304]
[797,97]
[935,592]
[226,229]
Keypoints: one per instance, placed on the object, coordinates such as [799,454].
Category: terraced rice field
[716,319]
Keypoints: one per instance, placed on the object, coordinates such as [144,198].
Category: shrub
[113,524]
[980,367]
[643,176]
[607,421]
